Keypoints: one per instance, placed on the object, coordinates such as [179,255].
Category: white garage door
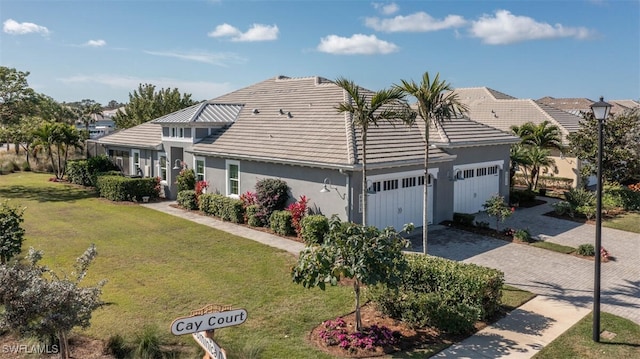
[397,199]
[474,185]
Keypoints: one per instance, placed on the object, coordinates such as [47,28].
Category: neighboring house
[289,128]
[577,105]
[502,111]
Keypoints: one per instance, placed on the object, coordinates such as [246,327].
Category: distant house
[578,105]
[502,111]
[289,128]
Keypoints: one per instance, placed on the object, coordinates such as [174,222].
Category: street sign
[209,346]
[208,321]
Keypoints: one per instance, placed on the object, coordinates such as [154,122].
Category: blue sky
[102,50]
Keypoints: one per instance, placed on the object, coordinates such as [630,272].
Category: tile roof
[146,135]
[203,112]
[502,113]
[575,105]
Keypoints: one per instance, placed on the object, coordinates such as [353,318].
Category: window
[233,178]
[199,168]
[162,167]
[135,163]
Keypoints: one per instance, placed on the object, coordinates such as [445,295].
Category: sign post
[202,324]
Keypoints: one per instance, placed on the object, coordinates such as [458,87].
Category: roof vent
[289,114]
[281,111]
[255,111]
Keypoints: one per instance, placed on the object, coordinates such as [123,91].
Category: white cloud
[95,43]
[386,9]
[13,27]
[505,28]
[418,22]
[198,89]
[219,59]
[257,32]
[357,44]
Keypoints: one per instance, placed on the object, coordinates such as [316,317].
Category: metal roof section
[203,112]
[146,135]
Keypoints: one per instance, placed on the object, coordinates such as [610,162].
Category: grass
[629,222]
[577,341]
[553,247]
[160,267]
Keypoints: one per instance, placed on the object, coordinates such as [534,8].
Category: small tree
[39,302]
[271,195]
[11,233]
[497,207]
[186,180]
[365,254]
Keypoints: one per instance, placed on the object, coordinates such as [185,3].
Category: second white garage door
[396,199]
[474,185]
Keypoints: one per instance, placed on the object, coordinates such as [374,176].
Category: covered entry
[474,184]
[396,199]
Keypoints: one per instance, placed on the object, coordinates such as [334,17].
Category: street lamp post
[600,112]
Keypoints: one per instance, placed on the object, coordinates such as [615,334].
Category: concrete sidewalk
[520,334]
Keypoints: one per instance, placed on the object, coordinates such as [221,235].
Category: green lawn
[577,341]
[629,222]
[161,267]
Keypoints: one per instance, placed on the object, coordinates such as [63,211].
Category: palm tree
[536,142]
[88,110]
[436,102]
[366,109]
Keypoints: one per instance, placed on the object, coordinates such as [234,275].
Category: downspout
[348,192]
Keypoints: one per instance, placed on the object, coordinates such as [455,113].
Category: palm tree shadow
[58,193]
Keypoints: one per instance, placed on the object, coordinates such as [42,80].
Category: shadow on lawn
[61,192]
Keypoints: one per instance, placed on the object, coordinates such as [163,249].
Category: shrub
[271,195]
[117,347]
[335,332]
[523,235]
[579,197]
[561,208]
[586,250]
[253,219]
[313,228]
[522,196]
[187,199]
[212,204]
[78,172]
[280,222]
[587,210]
[200,188]
[482,224]
[186,180]
[465,219]
[298,211]
[447,294]
[148,344]
[120,188]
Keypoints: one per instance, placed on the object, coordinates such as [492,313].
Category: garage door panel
[475,187]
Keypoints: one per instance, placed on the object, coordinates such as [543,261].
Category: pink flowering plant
[335,332]
[298,211]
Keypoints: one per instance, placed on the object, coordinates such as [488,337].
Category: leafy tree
[39,302]
[145,104]
[367,109]
[497,207]
[436,103]
[365,254]
[621,154]
[11,233]
[16,97]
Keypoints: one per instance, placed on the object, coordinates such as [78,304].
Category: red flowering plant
[248,199]
[604,255]
[201,187]
[335,332]
[298,211]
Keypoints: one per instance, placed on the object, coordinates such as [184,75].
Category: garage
[396,199]
[474,185]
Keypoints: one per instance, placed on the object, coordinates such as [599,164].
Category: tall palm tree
[436,102]
[536,142]
[366,109]
[88,111]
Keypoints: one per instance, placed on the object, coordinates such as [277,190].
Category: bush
[187,199]
[563,207]
[120,188]
[186,180]
[225,208]
[280,223]
[587,210]
[298,212]
[253,217]
[271,195]
[85,172]
[587,250]
[117,347]
[522,196]
[465,219]
[580,197]
[148,344]
[447,294]
[523,235]
[313,228]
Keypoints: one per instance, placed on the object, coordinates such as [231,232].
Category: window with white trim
[162,167]
[135,162]
[199,168]
[233,178]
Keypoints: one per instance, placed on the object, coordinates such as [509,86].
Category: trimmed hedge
[466,219]
[187,199]
[120,188]
[225,208]
[443,293]
[280,222]
[254,219]
[314,227]
[85,172]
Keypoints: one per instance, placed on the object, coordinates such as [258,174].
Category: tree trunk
[356,289]
[64,345]
[425,206]
[364,177]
